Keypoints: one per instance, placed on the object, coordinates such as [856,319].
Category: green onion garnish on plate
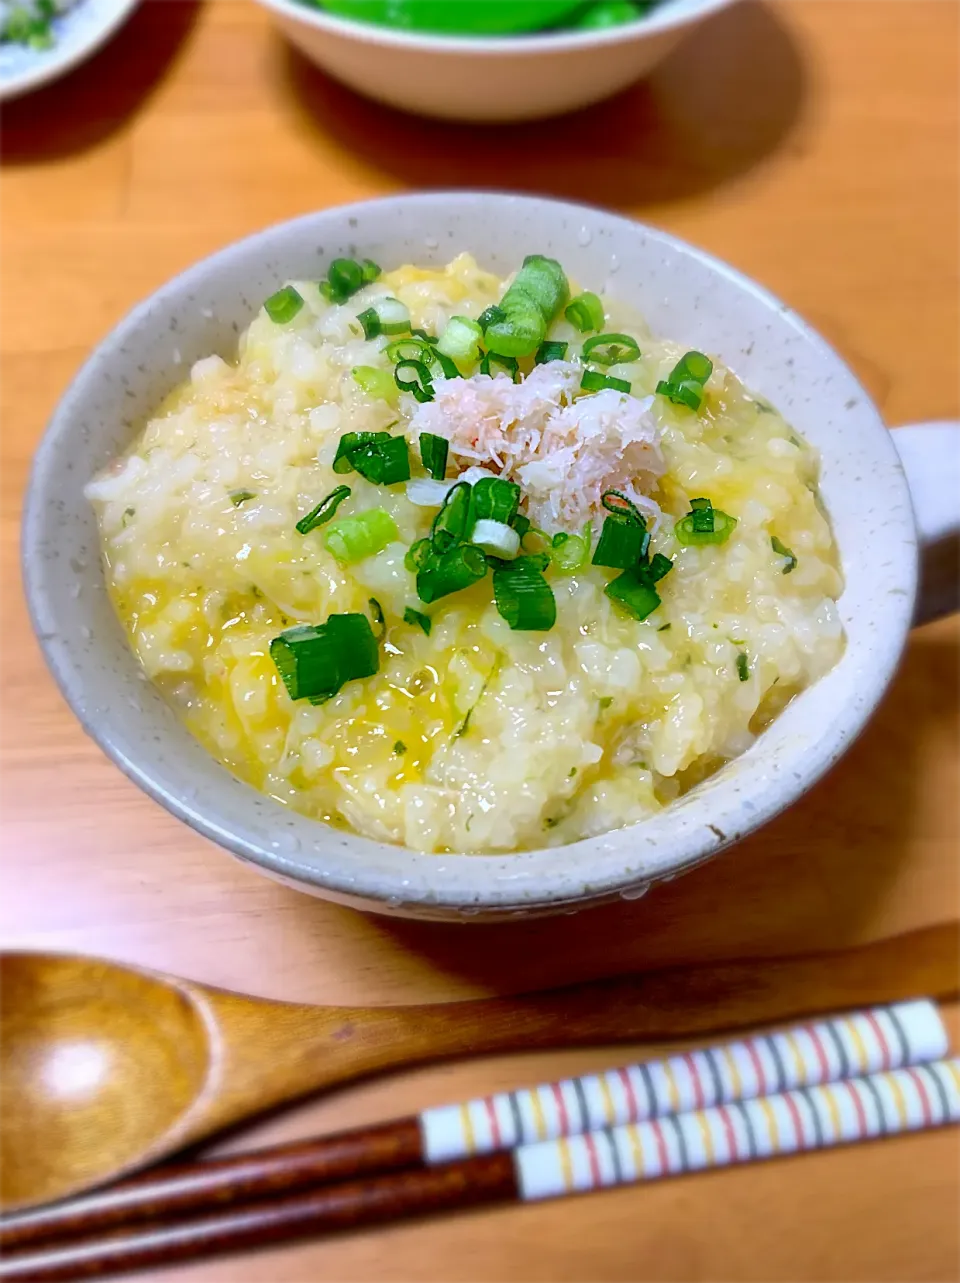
[324,510]
[459,567]
[704,524]
[495,499]
[782,550]
[550,350]
[376,382]
[460,340]
[345,276]
[411,616]
[585,312]
[610,349]
[491,315]
[379,457]
[414,377]
[523,597]
[594,381]
[743,667]
[451,522]
[360,535]
[315,661]
[284,305]
[386,316]
[633,592]
[508,364]
[684,386]
[621,543]
[528,307]
[570,553]
[433,454]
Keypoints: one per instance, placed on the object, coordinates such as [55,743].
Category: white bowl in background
[499,78]
[80,32]
[683,293]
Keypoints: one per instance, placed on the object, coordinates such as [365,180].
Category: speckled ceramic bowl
[78,34]
[683,293]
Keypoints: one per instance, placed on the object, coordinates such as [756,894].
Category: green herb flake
[399,748]
[743,667]
[237,497]
[782,550]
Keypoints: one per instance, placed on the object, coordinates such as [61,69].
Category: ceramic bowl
[79,33]
[683,293]
[488,79]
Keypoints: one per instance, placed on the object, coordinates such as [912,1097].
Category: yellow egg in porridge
[469,564]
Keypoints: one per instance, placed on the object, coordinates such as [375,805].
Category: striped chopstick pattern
[809,1117]
[881,1038]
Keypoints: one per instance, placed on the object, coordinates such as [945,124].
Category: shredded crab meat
[564,453]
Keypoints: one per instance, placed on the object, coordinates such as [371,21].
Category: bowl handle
[930,454]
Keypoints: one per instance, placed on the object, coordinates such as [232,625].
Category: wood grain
[812,144]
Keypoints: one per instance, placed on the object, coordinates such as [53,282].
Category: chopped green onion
[380,458]
[399,748]
[659,566]
[633,592]
[521,524]
[324,510]
[495,499]
[369,270]
[496,538]
[620,505]
[316,660]
[450,524]
[417,556]
[528,307]
[377,611]
[684,386]
[460,340]
[344,278]
[570,553]
[284,305]
[507,363]
[490,316]
[550,350]
[421,384]
[457,568]
[237,497]
[611,349]
[743,667]
[412,349]
[704,524]
[386,316]
[783,551]
[594,381]
[359,536]
[585,312]
[350,443]
[523,596]
[448,367]
[622,543]
[376,383]
[411,616]
[433,454]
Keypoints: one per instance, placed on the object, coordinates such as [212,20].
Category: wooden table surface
[814,145]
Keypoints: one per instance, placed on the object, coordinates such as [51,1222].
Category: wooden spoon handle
[274,1052]
[684,1001]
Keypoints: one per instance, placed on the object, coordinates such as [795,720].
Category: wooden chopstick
[805,1118]
[801,1056]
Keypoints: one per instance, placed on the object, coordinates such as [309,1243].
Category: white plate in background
[77,34]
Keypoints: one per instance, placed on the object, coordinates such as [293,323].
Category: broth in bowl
[470,564]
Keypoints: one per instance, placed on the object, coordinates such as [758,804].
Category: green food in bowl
[486,17]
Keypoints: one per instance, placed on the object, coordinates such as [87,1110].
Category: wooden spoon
[104,1068]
